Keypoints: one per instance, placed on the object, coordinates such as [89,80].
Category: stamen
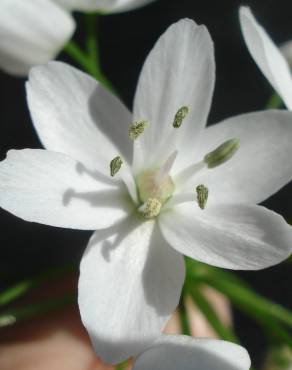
[180,116]
[151,208]
[115,165]
[172,138]
[136,129]
[222,154]
[202,195]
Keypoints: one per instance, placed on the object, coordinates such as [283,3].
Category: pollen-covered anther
[115,165]
[136,129]
[180,116]
[222,153]
[202,195]
[151,208]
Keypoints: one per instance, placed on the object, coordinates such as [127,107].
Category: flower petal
[179,71]
[172,352]
[53,189]
[286,50]
[267,55]
[108,6]
[238,237]
[75,115]
[259,168]
[130,283]
[32,32]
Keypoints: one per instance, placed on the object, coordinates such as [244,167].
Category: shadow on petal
[163,275]
[127,225]
[111,120]
[96,175]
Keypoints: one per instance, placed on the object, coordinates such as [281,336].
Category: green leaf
[13,316]
[185,325]
[122,366]
[21,288]
[239,293]
[207,310]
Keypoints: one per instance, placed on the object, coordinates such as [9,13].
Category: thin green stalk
[185,325]
[277,331]
[207,310]
[274,102]
[21,288]
[93,50]
[91,41]
[16,315]
[75,53]
[239,293]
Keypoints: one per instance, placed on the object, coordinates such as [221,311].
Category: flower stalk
[89,61]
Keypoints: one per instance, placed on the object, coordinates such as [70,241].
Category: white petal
[179,71]
[175,352]
[259,168]
[53,189]
[127,5]
[108,6]
[267,55]
[286,50]
[130,283]
[238,237]
[32,32]
[75,115]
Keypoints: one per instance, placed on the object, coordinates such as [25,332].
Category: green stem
[211,316]
[277,331]
[91,42]
[74,51]
[239,293]
[14,316]
[93,50]
[275,101]
[19,289]
[184,317]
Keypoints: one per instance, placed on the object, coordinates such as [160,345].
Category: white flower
[174,352]
[267,55]
[106,6]
[32,32]
[132,271]
[286,50]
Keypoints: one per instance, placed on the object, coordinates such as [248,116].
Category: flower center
[155,186]
[150,186]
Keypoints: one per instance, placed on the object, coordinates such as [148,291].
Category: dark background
[125,40]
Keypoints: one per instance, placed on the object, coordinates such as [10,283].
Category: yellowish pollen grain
[115,165]
[136,129]
[222,153]
[151,208]
[202,195]
[180,116]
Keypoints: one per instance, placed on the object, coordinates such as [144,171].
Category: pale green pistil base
[149,188]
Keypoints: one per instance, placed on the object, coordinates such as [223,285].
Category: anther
[180,116]
[222,154]
[115,165]
[136,129]
[151,208]
[202,195]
